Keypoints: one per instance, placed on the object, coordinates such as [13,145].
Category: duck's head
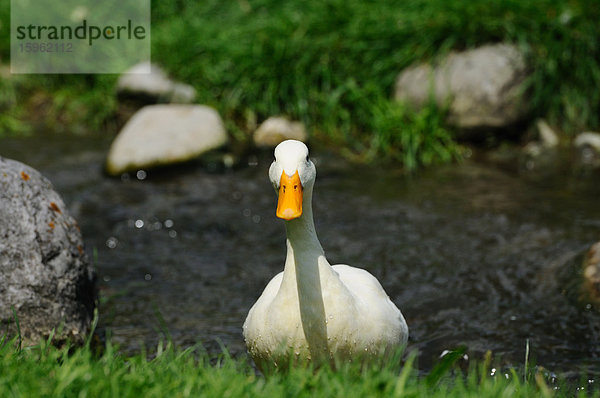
[292,175]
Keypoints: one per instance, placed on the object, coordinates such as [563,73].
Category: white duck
[313,311]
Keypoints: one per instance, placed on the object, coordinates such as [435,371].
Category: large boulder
[277,129]
[160,135]
[482,87]
[151,83]
[45,275]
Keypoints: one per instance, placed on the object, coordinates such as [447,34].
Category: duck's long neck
[305,270]
[302,236]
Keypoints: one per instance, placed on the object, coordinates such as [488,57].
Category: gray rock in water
[160,135]
[482,87]
[277,129]
[45,275]
[588,147]
[547,136]
[588,139]
[542,153]
[150,81]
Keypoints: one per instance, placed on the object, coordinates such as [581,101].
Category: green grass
[46,371]
[332,64]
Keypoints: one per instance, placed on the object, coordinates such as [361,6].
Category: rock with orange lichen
[45,275]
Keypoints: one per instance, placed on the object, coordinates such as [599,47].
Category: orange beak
[289,205]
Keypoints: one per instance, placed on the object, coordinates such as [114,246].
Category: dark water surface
[471,254]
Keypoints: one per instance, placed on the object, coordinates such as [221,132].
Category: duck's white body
[312,310]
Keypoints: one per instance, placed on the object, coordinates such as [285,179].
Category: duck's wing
[377,307]
[360,282]
[256,315]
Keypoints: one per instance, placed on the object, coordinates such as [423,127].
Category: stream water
[472,254]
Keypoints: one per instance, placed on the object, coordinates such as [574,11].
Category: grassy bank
[45,371]
[332,64]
